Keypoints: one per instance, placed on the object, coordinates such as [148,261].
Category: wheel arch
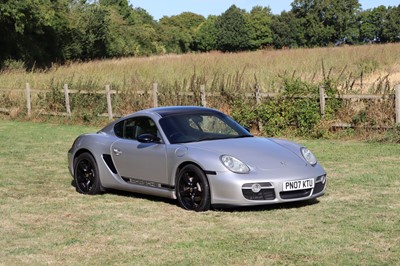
[206,196]
[81,151]
[183,164]
[78,153]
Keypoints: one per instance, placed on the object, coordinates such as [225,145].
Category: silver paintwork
[152,167]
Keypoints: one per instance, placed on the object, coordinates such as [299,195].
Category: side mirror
[148,138]
[247,128]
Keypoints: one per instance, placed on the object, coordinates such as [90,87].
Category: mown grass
[44,221]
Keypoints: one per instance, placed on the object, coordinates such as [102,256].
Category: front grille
[318,188]
[264,194]
[295,194]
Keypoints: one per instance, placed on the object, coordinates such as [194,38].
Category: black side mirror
[247,128]
[148,138]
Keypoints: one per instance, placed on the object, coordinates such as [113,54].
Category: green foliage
[122,6]
[177,32]
[43,32]
[30,31]
[286,30]
[232,29]
[119,41]
[392,135]
[295,110]
[244,113]
[372,23]
[259,25]
[205,38]
[327,21]
[391,32]
[13,65]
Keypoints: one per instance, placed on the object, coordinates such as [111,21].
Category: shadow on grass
[217,208]
[141,196]
[129,194]
[270,207]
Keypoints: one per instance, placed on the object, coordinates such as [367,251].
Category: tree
[205,38]
[90,28]
[232,35]
[327,21]
[120,39]
[122,6]
[287,31]
[372,23]
[259,25]
[177,32]
[391,26]
[31,31]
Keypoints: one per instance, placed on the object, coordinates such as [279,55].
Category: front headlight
[309,156]
[234,165]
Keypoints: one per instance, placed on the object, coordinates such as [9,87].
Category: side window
[131,128]
[213,124]
[210,124]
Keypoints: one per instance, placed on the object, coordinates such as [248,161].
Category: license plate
[298,184]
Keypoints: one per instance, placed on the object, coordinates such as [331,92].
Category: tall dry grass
[364,65]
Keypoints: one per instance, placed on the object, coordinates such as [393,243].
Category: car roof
[173,110]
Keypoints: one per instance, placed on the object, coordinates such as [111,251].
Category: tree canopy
[39,33]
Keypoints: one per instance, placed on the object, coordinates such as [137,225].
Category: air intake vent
[108,160]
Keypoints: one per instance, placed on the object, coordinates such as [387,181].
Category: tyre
[86,174]
[192,190]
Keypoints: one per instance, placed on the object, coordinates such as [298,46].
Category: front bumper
[228,188]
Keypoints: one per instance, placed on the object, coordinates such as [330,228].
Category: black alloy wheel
[192,189]
[86,174]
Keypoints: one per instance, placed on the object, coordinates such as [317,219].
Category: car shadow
[217,208]
[269,207]
[172,202]
[134,195]
[141,196]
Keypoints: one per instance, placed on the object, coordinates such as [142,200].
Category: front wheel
[192,190]
[86,174]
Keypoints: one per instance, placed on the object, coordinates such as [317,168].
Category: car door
[136,160]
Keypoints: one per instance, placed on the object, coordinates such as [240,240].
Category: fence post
[258,102]
[257,93]
[28,99]
[155,97]
[322,100]
[109,106]
[203,95]
[397,105]
[67,105]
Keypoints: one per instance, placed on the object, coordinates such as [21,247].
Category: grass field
[44,221]
[365,65]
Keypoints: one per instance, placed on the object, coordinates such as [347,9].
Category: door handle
[117,152]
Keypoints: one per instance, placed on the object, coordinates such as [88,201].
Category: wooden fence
[203,97]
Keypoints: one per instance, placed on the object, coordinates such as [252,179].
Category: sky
[160,8]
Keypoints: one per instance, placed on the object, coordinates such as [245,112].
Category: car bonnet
[260,153]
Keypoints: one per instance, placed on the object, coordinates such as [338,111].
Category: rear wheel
[86,174]
[192,190]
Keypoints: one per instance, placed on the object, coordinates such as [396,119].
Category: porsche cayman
[199,156]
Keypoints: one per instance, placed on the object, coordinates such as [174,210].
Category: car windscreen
[183,128]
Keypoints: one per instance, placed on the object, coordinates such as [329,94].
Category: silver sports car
[199,156]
